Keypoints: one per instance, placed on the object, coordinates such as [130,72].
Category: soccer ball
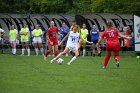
[60,60]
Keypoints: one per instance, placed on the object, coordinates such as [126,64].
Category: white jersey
[73,39]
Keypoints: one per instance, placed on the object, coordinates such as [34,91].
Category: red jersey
[52,32]
[111,34]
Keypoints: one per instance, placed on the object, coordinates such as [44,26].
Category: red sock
[117,57]
[47,53]
[106,60]
[56,53]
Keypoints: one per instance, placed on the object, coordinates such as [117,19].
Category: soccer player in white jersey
[37,34]
[72,45]
[24,33]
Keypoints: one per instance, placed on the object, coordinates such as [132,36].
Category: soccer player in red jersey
[52,40]
[112,44]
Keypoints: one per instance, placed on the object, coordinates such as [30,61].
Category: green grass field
[23,74]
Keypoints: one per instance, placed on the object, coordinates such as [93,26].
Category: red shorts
[113,46]
[55,42]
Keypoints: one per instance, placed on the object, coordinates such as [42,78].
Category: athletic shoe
[68,63]
[21,55]
[67,54]
[138,57]
[104,67]
[93,55]
[52,61]
[45,58]
[117,63]
[28,55]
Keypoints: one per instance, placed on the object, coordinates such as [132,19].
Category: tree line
[70,6]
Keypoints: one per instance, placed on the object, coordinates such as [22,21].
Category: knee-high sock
[28,50]
[14,52]
[117,57]
[84,50]
[47,53]
[36,51]
[56,53]
[42,51]
[106,60]
[23,49]
[72,59]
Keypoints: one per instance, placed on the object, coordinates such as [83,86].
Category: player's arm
[47,35]
[85,40]
[123,36]
[65,38]
[100,39]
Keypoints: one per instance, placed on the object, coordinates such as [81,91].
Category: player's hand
[90,42]
[129,38]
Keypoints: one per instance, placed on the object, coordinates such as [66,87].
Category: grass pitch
[23,74]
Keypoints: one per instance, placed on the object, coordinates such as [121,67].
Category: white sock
[14,51]
[84,50]
[57,56]
[72,59]
[23,49]
[36,51]
[42,51]
[28,50]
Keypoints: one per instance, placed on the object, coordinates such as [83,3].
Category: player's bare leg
[55,50]
[41,48]
[27,48]
[99,50]
[84,48]
[36,48]
[23,48]
[48,51]
[93,51]
[107,57]
[14,48]
[66,50]
[76,52]
[117,57]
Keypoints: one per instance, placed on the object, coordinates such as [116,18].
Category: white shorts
[12,40]
[37,40]
[24,40]
[72,48]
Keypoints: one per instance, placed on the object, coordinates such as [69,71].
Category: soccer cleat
[104,67]
[67,54]
[93,55]
[28,55]
[21,55]
[45,58]
[138,57]
[52,61]
[68,63]
[117,63]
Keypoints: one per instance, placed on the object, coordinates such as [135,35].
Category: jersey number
[73,39]
[111,34]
